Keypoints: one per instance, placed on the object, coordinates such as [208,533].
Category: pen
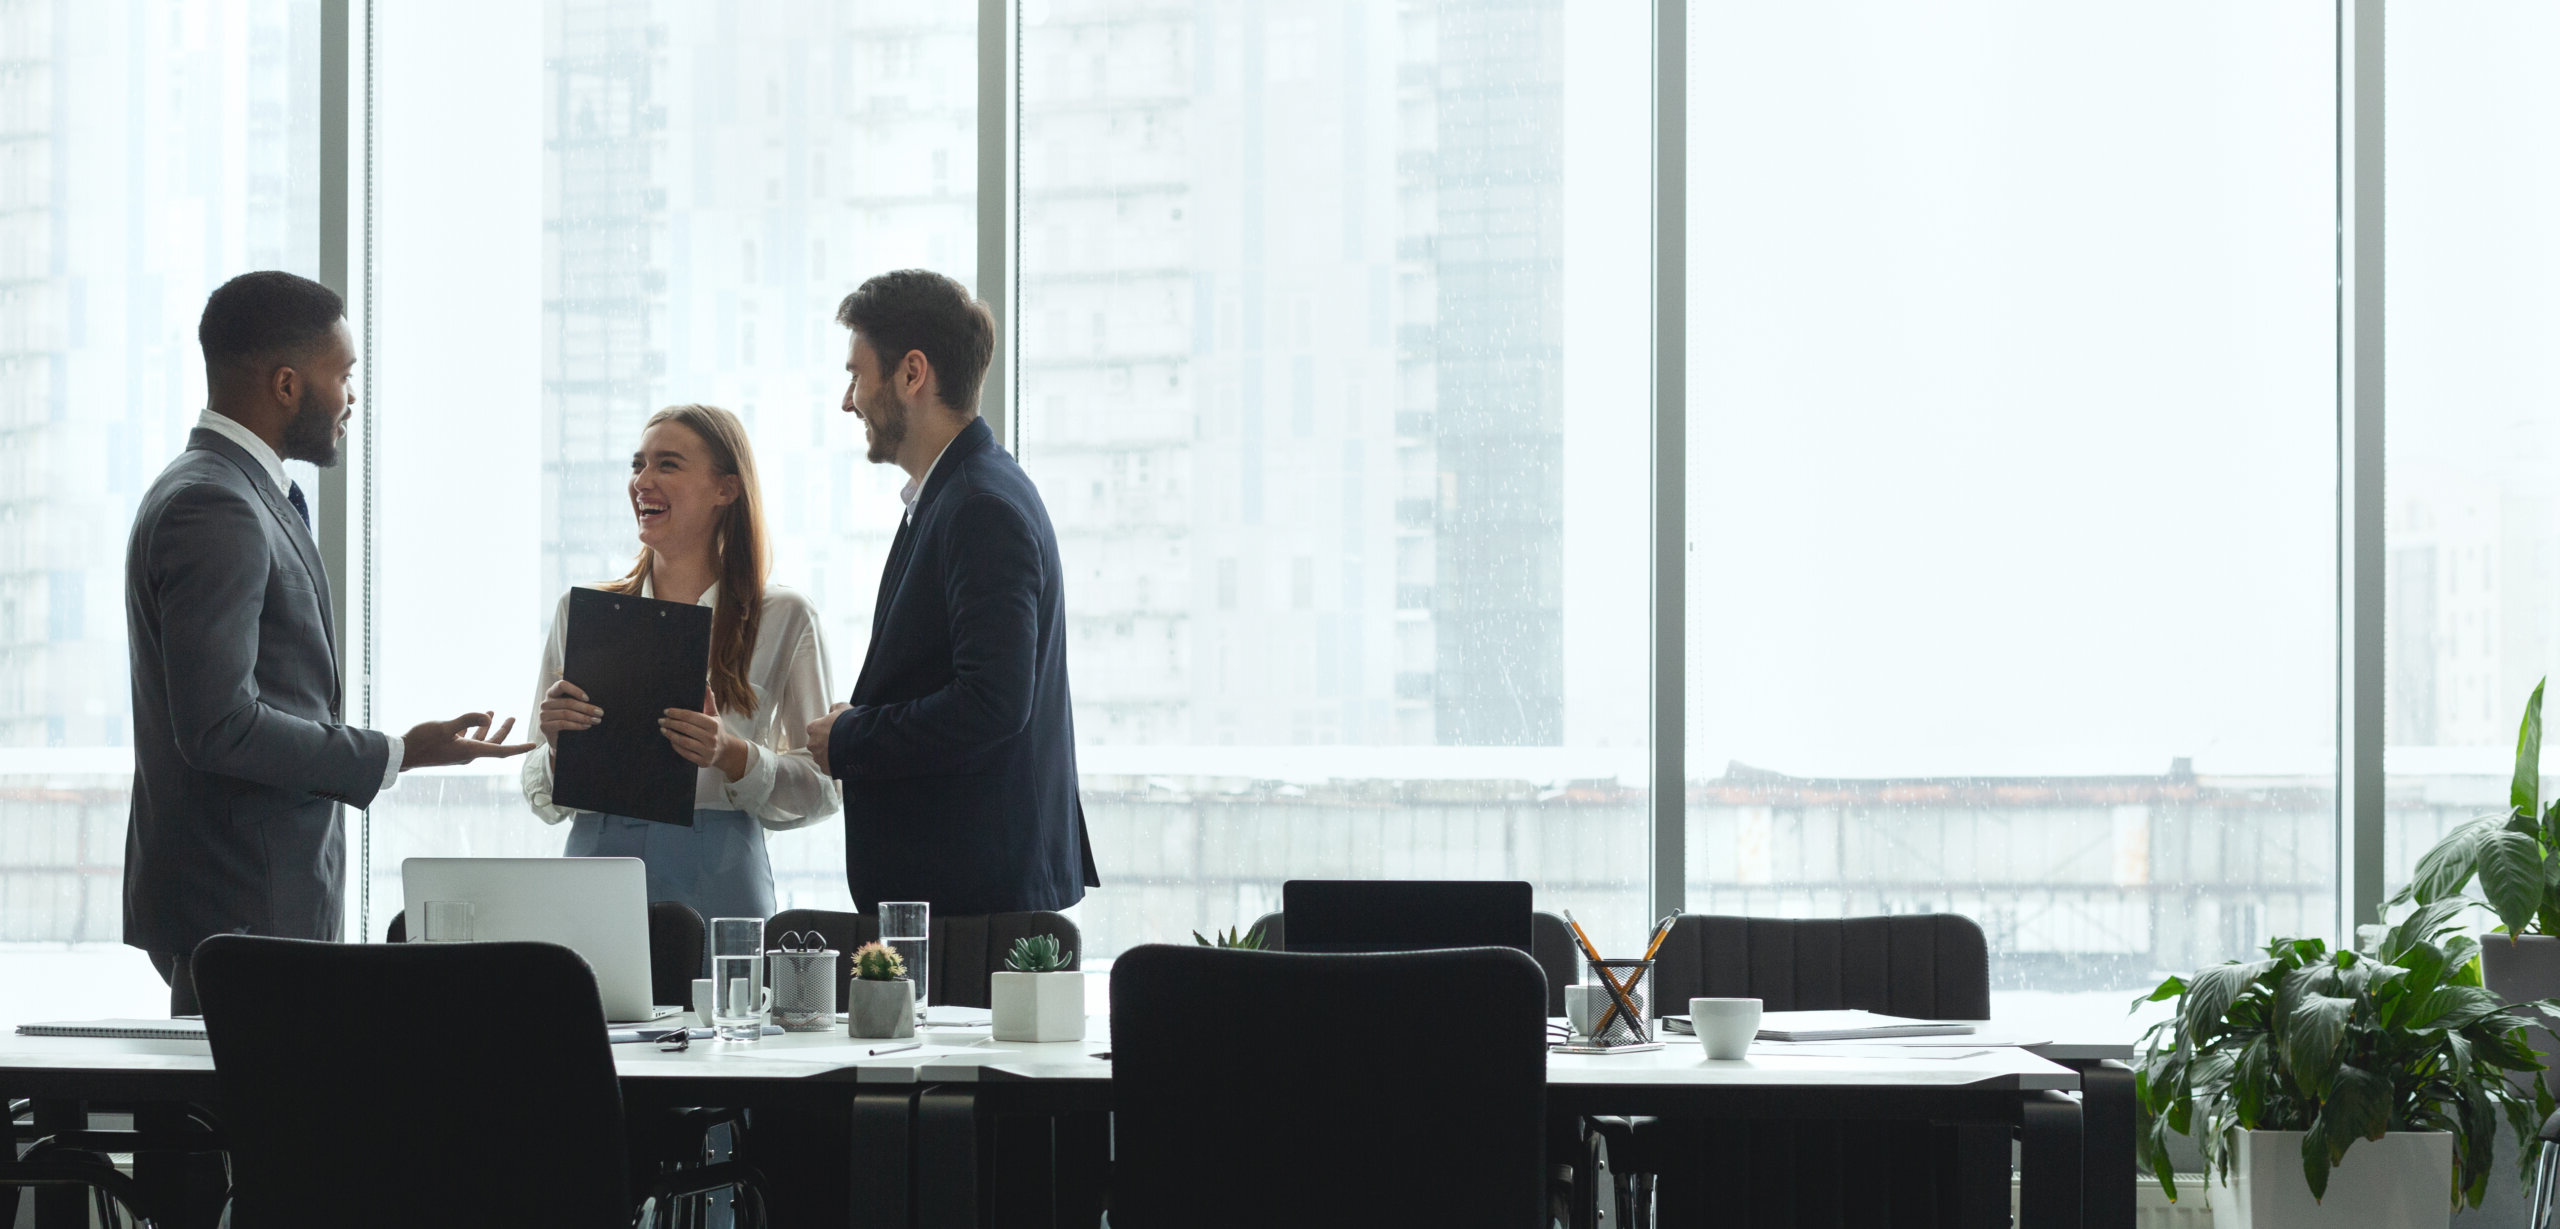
[894,1049]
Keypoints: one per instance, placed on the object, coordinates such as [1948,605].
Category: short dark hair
[917,309]
[265,317]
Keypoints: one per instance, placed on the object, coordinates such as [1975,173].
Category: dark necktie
[293,495]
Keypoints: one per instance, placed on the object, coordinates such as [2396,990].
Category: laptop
[1402,915]
[596,907]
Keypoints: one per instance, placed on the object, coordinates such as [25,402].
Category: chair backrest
[967,949]
[1915,964]
[1406,915]
[676,952]
[1550,944]
[341,1108]
[1284,1088]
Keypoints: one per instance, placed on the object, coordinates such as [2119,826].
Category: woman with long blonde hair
[701,519]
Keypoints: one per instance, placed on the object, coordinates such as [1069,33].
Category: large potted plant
[2341,1088]
[2514,855]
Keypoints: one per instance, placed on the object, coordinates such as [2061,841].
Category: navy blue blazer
[958,756]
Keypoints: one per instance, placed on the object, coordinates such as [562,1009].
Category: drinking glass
[739,996]
[445,921]
[907,927]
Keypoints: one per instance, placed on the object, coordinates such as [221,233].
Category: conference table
[988,1132]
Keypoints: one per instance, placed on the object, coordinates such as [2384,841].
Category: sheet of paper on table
[860,1052]
[1843,1049]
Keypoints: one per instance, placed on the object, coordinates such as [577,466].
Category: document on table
[1784,1049]
[861,1052]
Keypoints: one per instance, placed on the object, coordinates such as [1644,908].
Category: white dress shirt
[230,428]
[784,787]
[915,486]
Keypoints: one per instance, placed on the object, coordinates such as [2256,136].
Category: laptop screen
[1397,915]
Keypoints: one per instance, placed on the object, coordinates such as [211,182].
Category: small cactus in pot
[879,1001]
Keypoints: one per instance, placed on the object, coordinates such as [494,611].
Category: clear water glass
[907,927]
[739,996]
[444,921]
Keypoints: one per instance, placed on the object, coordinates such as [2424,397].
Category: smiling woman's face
[676,492]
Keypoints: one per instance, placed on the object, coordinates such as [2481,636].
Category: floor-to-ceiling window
[636,203]
[2472,489]
[148,152]
[2011,496]
[1333,376]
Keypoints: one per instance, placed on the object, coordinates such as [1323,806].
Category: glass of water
[739,997]
[445,921]
[907,927]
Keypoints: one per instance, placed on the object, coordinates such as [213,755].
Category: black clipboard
[635,657]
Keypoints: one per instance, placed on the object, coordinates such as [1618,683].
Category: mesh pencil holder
[1635,977]
[804,989]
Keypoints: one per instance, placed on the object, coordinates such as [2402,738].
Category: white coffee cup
[702,1005]
[1725,1026]
[1582,1008]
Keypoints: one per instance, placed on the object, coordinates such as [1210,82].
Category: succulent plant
[1037,954]
[878,962]
[1250,940]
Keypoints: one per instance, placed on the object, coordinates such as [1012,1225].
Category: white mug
[702,1002]
[1582,1008]
[1725,1026]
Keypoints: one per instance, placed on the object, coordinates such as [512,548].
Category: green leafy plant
[2515,854]
[1037,954]
[878,962]
[1250,940]
[2342,1046]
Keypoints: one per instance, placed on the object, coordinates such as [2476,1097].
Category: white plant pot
[877,1009]
[1037,1006]
[2402,1181]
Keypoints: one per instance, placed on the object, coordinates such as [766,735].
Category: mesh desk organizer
[1626,1016]
[804,982]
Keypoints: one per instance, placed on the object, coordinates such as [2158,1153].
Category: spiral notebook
[150,1030]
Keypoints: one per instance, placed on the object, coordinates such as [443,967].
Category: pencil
[1662,931]
[1580,937]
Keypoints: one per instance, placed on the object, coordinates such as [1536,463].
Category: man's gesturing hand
[818,731]
[434,744]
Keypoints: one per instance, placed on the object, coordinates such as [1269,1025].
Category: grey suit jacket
[239,762]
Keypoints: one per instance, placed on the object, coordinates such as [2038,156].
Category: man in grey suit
[240,761]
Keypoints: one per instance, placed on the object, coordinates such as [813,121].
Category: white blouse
[783,787]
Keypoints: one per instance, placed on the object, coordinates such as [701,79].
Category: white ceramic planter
[1037,1006]
[2402,1181]
[877,1009]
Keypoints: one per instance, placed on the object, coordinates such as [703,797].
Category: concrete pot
[878,1009]
[2518,971]
[1037,1006]
[2402,1181]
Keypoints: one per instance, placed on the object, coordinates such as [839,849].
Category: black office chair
[968,949]
[341,1110]
[1290,1089]
[1781,1172]
[676,953]
[1550,944]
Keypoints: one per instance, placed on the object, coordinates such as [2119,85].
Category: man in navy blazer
[958,752]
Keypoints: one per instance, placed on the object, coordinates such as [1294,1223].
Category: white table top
[962,1055]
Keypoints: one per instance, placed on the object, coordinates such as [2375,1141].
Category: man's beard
[312,433]
[888,422]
